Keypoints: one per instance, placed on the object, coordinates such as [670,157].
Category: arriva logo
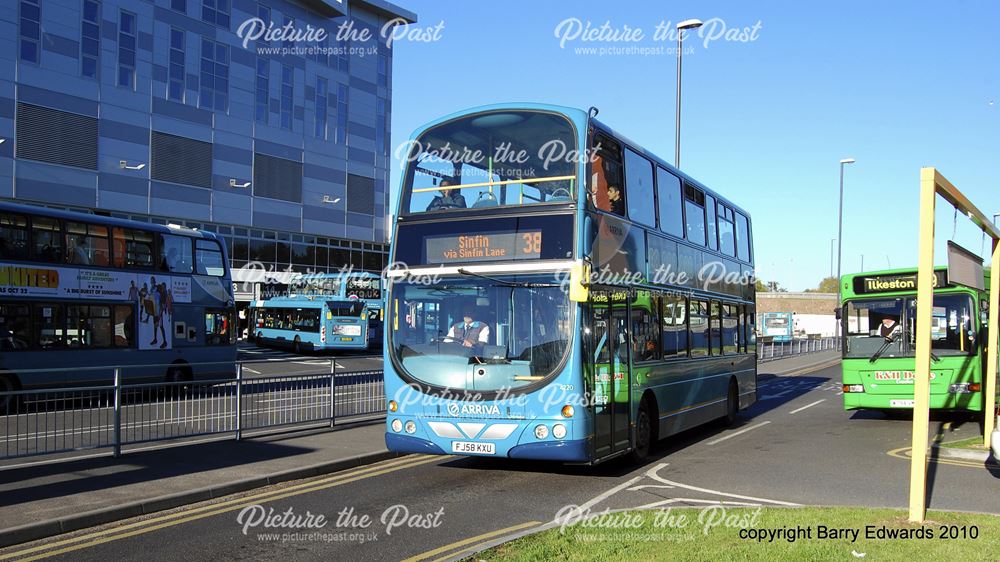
[474,409]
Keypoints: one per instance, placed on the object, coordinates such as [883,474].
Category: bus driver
[888,328]
[470,332]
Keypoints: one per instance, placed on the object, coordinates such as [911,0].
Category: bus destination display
[494,246]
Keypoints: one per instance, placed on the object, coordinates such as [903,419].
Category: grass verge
[973,443]
[727,533]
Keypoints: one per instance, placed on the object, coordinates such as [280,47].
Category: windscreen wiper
[517,284]
[889,340]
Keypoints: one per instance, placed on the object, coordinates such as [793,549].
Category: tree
[827,285]
[761,287]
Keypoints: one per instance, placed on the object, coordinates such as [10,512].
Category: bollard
[239,401]
[118,412]
[995,440]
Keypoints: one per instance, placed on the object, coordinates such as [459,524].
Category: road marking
[904,453]
[740,432]
[693,500]
[249,370]
[186,515]
[653,474]
[770,396]
[807,406]
[475,539]
[601,497]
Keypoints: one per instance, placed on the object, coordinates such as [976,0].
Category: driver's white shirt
[484,334]
[895,328]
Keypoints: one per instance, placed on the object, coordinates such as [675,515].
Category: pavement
[39,500]
[44,499]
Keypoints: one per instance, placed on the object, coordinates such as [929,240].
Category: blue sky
[895,85]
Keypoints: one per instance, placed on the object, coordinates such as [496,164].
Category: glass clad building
[165,111]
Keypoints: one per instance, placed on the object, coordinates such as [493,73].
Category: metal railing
[767,351]
[59,420]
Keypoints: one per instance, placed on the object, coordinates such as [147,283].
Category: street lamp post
[832,240]
[840,231]
[681,27]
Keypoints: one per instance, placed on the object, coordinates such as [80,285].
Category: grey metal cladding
[180,160]
[57,137]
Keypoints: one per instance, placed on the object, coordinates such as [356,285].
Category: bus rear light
[393,406]
[559,431]
[975,387]
[567,411]
[396,425]
[854,388]
[541,432]
[322,334]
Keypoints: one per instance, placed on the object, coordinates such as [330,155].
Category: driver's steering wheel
[556,192]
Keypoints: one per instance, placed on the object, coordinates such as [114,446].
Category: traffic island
[720,532]
[971,449]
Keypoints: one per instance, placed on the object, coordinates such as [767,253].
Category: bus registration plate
[901,403]
[467,447]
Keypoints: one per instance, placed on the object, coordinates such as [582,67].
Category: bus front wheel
[644,433]
[8,402]
[260,339]
[297,346]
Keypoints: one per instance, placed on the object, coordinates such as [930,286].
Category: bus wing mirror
[579,286]
[837,313]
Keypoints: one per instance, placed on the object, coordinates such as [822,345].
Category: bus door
[610,372]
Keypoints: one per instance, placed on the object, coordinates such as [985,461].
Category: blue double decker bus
[559,293]
[91,292]
[321,312]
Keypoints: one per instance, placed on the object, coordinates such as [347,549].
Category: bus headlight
[411,427]
[559,431]
[393,406]
[397,426]
[541,431]
[567,411]
[964,388]
[854,388]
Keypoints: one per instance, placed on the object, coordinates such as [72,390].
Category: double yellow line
[905,453]
[467,546]
[186,515]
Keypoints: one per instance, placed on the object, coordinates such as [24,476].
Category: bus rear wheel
[175,376]
[732,404]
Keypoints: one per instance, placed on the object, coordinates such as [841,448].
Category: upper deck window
[668,198]
[639,179]
[494,159]
[13,236]
[694,211]
[743,237]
